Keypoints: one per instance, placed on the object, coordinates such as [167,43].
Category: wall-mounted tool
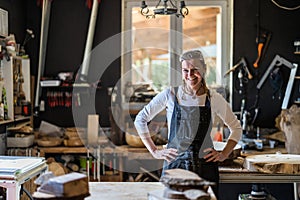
[297,46]
[276,81]
[242,62]
[278,61]
[263,38]
[243,71]
[262,43]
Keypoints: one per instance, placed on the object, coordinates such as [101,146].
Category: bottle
[4,101]
[218,135]
[1,112]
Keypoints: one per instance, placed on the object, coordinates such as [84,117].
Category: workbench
[228,174]
[244,176]
[16,170]
[238,174]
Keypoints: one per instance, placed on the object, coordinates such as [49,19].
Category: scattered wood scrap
[184,184]
[66,186]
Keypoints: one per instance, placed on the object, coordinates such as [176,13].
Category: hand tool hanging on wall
[243,75]
[242,62]
[278,61]
[276,81]
[263,38]
[262,43]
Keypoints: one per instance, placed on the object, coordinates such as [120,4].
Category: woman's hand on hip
[166,154]
[213,155]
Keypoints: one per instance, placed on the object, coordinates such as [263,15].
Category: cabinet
[16,73]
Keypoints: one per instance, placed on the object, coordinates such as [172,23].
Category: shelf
[124,154]
[75,150]
[6,121]
[21,118]
[75,85]
[19,67]
[63,150]
[66,86]
[17,119]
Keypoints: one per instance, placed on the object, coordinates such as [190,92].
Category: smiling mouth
[192,80]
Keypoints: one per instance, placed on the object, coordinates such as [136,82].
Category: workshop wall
[68,27]
[17,17]
[67,35]
[284,29]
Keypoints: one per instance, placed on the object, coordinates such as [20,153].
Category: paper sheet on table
[51,130]
[17,165]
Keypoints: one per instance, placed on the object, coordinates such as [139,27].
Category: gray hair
[192,54]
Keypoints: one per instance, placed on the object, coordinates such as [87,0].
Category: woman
[190,110]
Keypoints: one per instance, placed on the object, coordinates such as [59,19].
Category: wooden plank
[69,185]
[274,163]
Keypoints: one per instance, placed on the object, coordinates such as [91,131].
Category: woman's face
[191,74]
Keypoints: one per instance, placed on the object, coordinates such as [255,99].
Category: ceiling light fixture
[168,8]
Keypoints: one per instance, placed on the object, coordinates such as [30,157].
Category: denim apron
[190,135]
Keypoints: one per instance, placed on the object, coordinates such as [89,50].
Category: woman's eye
[192,71]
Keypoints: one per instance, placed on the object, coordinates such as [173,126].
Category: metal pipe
[295,191]
[89,42]
[98,163]
[43,46]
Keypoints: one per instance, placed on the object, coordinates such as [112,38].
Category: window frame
[224,49]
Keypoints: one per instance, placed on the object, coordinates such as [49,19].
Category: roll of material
[92,129]
[74,167]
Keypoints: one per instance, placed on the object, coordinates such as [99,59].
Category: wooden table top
[122,190]
[126,190]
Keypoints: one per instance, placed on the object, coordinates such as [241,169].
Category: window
[151,47]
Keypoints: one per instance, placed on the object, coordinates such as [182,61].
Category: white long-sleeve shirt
[165,100]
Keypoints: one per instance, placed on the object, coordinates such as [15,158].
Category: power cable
[284,7]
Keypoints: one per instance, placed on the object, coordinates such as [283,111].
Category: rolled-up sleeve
[155,106]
